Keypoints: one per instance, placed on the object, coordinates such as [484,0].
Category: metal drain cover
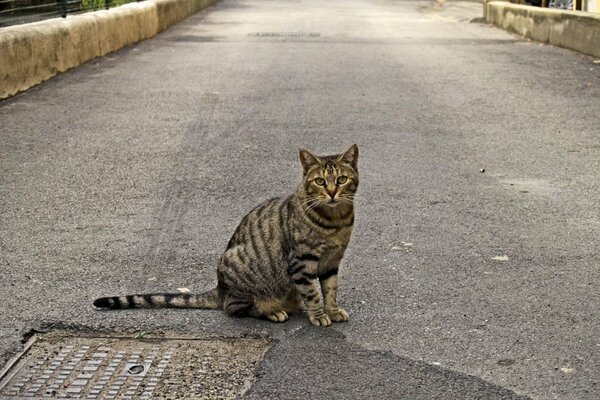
[286,34]
[116,368]
[195,38]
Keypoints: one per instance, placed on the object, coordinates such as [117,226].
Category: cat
[284,254]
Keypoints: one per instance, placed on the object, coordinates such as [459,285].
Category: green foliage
[115,3]
[89,5]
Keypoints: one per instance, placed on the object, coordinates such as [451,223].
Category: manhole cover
[115,368]
[195,38]
[286,34]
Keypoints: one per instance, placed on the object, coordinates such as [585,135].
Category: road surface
[130,173]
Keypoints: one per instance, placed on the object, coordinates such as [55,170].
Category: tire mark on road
[180,190]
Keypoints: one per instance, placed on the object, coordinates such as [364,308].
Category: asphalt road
[130,173]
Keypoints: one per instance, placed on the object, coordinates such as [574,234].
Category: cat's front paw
[320,320]
[338,315]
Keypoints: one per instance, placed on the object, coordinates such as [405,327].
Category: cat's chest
[323,244]
[335,243]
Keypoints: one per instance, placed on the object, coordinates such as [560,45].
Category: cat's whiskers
[310,204]
[310,200]
[348,199]
[314,205]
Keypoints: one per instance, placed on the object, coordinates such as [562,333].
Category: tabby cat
[284,254]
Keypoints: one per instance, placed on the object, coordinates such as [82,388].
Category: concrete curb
[33,53]
[574,30]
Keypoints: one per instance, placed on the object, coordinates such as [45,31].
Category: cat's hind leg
[271,309]
[238,306]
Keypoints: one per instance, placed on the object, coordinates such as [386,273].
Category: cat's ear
[350,156]
[308,160]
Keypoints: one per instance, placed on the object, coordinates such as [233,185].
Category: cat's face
[330,180]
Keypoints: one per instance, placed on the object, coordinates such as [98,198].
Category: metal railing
[15,12]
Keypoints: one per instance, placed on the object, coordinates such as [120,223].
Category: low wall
[575,30]
[33,53]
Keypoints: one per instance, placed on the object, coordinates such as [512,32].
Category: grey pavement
[315,363]
[130,173]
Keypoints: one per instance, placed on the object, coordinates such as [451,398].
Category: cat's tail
[209,300]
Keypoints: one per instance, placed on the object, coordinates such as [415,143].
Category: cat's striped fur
[285,252]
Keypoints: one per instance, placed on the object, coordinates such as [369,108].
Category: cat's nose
[332,193]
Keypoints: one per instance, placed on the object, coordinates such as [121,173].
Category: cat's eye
[342,179]
[320,181]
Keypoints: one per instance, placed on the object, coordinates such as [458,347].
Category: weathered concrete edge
[574,30]
[33,53]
